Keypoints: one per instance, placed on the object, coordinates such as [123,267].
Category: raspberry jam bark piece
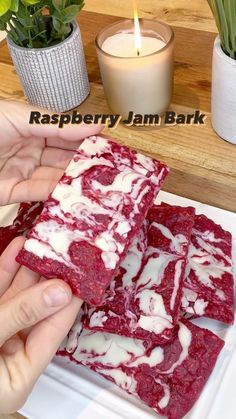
[209,284]
[7,234]
[167,378]
[144,299]
[27,215]
[92,216]
[25,219]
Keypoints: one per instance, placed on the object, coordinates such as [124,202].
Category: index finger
[48,334]
[8,265]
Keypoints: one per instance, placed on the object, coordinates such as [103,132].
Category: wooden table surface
[202,165]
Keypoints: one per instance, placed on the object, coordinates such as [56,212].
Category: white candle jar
[142,83]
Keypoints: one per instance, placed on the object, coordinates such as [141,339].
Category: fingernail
[55,296]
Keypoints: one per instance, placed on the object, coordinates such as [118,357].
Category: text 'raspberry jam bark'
[144,299]
[92,216]
[167,378]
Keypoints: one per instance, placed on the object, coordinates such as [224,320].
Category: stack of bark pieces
[142,271]
[180,264]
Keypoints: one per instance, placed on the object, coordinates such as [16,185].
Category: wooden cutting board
[203,166]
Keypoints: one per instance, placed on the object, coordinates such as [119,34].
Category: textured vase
[55,77]
[223,94]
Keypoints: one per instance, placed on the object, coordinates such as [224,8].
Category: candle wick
[138,52]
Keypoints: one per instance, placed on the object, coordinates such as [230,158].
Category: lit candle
[123,45]
[137,66]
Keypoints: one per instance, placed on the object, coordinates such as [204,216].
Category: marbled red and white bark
[7,234]
[144,299]
[25,219]
[27,215]
[209,283]
[92,216]
[167,378]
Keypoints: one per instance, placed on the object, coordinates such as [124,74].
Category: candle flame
[137,31]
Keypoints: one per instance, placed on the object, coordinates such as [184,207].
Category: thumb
[31,306]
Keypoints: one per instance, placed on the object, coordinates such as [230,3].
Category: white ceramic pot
[56,77]
[223,94]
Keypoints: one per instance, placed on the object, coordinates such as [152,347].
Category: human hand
[34,319]
[33,157]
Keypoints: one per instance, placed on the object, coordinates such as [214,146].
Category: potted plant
[224,70]
[46,48]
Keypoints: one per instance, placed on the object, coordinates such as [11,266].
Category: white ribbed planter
[56,77]
[223,94]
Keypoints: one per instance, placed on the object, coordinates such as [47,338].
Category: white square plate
[68,391]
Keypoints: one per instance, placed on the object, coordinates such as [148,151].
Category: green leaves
[4,20]
[63,16]
[58,4]
[30,2]
[224,12]
[38,23]
[69,13]
[4,6]
[14,5]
